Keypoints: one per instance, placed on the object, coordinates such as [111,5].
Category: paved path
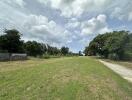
[121,70]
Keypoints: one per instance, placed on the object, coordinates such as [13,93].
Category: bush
[55,56]
[46,56]
[3,51]
[113,56]
[127,56]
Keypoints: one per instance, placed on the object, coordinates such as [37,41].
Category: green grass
[73,78]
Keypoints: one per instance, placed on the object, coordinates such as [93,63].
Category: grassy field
[73,78]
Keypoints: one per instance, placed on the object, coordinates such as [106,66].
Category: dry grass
[77,78]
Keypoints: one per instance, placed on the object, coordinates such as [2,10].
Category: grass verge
[72,78]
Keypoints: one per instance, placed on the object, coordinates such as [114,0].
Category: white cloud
[120,9]
[10,15]
[73,23]
[70,8]
[49,22]
[130,16]
[47,31]
[20,3]
[33,27]
[95,25]
[44,1]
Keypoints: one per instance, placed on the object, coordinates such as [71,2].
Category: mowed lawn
[73,78]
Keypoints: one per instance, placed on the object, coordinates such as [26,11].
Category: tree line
[11,42]
[116,45]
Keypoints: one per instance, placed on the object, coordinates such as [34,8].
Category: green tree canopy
[115,43]
[64,50]
[33,48]
[11,42]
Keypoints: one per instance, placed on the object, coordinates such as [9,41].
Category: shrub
[46,56]
[127,56]
[113,56]
[3,51]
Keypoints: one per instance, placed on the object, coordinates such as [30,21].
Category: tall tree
[33,48]
[64,50]
[11,41]
[109,45]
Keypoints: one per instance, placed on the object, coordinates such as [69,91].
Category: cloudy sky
[72,23]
